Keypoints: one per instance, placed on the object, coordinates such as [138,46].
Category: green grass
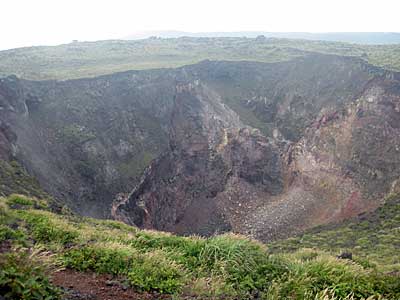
[89,59]
[155,271]
[227,266]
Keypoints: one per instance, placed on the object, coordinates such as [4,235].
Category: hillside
[89,59]
[36,245]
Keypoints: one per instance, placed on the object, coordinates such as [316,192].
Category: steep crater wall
[261,149]
[316,118]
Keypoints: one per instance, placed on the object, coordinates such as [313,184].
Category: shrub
[153,271]
[46,229]
[100,258]
[325,276]
[184,250]
[16,199]
[7,233]
[147,271]
[243,263]
[22,279]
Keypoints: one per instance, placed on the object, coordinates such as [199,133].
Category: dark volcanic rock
[261,149]
[184,191]
[306,172]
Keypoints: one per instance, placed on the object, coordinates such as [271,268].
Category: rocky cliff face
[344,164]
[188,190]
[261,149]
[304,170]
[87,140]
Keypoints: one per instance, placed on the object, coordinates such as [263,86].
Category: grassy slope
[372,237]
[88,59]
[221,267]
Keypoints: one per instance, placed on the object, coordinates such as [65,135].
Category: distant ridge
[349,37]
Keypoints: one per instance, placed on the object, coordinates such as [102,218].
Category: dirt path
[91,286]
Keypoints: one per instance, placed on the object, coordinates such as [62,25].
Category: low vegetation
[21,277]
[221,267]
[89,59]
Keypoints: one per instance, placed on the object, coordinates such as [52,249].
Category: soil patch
[91,286]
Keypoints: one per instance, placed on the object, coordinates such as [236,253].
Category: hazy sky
[49,22]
